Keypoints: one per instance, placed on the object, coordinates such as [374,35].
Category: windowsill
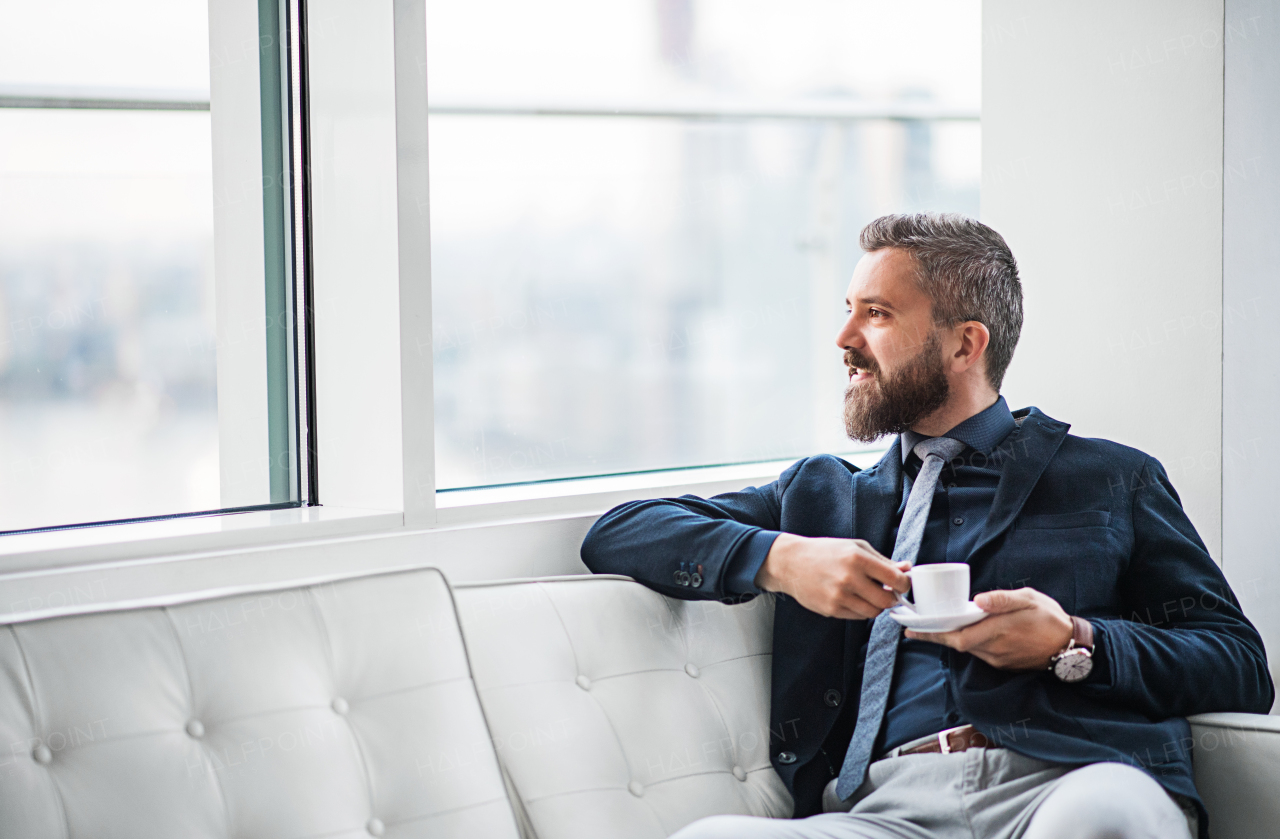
[592,496]
[122,544]
[21,552]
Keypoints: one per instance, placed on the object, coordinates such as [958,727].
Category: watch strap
[1081,633]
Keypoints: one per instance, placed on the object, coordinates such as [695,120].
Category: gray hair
[966,269]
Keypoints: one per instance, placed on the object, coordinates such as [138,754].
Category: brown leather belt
[951,740]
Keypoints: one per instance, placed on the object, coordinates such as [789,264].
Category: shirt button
[832,698]
[695,579]
[957,521]
[787,757]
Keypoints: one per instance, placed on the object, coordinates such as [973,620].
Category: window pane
[141,44]
[662,288]
[109,400]
[108,389]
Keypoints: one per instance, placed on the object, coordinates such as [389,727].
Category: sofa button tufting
[340,706]
[375,827]
[635,788]
[739,773]
[832,698]
[195,728]
[786,757]
[41,754]
[583,682]
[691,670]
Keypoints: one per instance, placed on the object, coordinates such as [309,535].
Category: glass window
[644,214]
[132,383]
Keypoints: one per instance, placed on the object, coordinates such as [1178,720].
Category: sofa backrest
[340,710]
[1236,757]
[621,713]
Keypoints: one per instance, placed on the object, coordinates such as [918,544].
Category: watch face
[1073,666]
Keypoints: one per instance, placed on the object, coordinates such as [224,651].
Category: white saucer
[907,616]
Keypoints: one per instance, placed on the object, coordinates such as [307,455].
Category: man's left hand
[1023,630]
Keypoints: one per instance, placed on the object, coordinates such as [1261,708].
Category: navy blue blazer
[1095,525]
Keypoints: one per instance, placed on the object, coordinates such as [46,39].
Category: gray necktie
[882,649]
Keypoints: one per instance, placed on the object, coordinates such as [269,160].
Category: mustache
[853,358]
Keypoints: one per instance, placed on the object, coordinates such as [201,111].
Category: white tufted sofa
[549,709]
[295,713]
[618,712]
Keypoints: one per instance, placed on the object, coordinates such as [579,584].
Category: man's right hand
[838,578]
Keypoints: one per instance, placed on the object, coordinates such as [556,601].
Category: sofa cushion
[619,712]
[339,710]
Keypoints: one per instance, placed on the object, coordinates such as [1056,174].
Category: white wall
[1251,299]
[1132,160]
[1102,157]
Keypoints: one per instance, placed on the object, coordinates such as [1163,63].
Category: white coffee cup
[940,588]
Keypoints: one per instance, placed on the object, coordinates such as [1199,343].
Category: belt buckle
[945,744]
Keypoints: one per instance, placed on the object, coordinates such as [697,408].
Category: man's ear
[974,338]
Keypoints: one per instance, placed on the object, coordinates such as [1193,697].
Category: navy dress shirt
[921,701]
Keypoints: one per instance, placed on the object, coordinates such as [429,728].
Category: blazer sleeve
[652,541]
[1184,645]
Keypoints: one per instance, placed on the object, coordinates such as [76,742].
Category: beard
[892,404]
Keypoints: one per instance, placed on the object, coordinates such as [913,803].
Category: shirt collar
[983,431]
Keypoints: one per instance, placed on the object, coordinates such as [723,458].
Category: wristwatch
[1075,662]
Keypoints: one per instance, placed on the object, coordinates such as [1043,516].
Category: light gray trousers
[980,794]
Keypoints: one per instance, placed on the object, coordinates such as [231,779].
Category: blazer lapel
[1026,454]
[876,494]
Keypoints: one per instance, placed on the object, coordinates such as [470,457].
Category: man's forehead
[886,277]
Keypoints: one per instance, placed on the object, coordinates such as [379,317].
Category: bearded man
[1061,713]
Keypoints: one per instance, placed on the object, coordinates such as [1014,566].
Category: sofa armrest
[1235,758]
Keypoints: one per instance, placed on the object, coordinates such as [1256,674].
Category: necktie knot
[944,448]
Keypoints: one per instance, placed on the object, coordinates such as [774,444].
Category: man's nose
[849,336]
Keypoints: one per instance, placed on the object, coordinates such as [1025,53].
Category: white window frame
[375,397]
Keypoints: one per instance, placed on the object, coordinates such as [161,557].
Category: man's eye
[875,313]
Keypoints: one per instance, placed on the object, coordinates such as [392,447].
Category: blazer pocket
[1062,521]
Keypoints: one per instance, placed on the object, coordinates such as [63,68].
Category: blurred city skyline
[628,293]
[611,293]
[108,376]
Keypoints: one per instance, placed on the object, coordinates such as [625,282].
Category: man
[1062,712]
